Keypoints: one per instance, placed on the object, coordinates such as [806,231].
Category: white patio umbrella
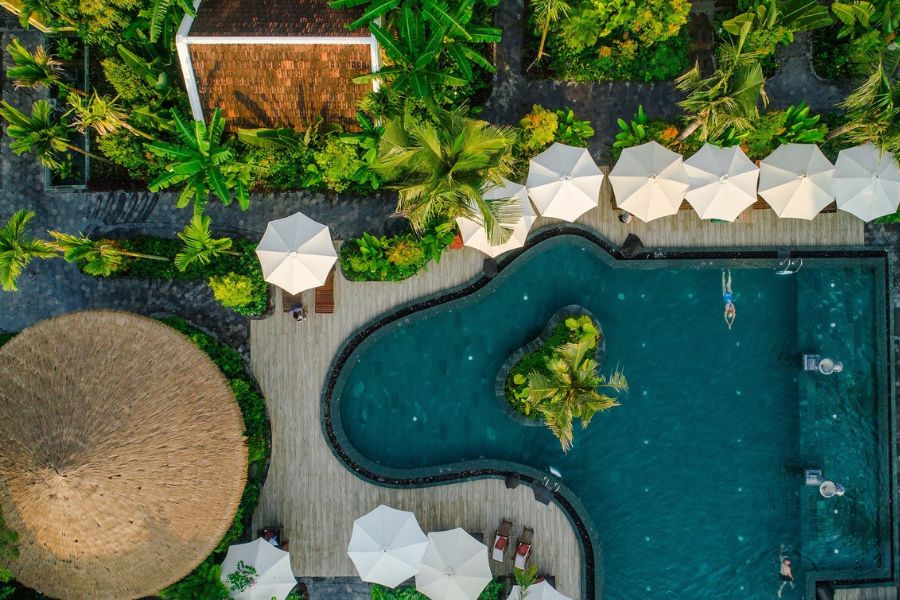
[649,181]
[564,182]
[296,253]
[273,578]
[797,181]
[474,235]
[387,546]
[455,566]
[722,182]
[537,591]
[867,182]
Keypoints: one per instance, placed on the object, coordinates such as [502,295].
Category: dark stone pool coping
[514,358]
[564,497]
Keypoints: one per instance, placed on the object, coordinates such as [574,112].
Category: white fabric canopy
[387,546]
[564,182]
[474,235]
[867,182]
[296,253]
[455,566]
[722,182]
[649,181]
[797,181]
[274,577]
[537,591]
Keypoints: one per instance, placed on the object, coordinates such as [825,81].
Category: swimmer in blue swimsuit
[728,298]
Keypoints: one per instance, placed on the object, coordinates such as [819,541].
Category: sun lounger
[523,548]
[501,541]
[325,296]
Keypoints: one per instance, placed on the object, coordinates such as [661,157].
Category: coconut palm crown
[569,389]
[442,165]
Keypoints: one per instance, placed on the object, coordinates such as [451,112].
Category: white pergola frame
[183,39]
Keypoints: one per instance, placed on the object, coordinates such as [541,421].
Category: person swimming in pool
[728,298]
[787,576]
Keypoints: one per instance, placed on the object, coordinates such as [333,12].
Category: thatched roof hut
[122,461]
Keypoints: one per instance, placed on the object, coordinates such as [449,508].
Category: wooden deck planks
[316,499]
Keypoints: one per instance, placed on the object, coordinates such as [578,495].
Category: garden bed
[576,54]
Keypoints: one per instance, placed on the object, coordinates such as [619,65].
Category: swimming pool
[689,488]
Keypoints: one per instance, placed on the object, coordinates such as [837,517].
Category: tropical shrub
[572,131]
[338,164]
[126,150]
[232,290]
[558,382]
[129,86]
[777,127]
[537,131]
[394,258]
[641,129]
[766,24]
[835,58]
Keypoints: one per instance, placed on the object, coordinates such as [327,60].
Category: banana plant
[203,163]
[790,15]
[462,34]
[413,56]
[284,138]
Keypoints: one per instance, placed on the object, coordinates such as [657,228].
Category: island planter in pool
[567,325]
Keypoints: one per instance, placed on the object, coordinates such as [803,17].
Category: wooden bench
[325,296]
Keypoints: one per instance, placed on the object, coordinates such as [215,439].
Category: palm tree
[199,244]
[873,108]
[17,249]
[547,12]
[97,257]
[569,389]
[99,113]
[40,134]
[32,70]
[203,163]
[727,98]
[441,168]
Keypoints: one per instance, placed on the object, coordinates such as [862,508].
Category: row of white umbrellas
[388,547]
[651,181]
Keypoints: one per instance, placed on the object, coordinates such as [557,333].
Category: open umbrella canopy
[797,181]
[271,575]
[537,591]
[867,182]
[455,566]
[474,235]
[722,182]
[122,460]
[387,546]
[564,182]
[649,181]
[296,253]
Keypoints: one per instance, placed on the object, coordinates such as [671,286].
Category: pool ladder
[789,266]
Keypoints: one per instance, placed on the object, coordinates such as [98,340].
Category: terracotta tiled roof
[281,85]
[288,18]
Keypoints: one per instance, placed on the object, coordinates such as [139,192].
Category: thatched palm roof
[121,455]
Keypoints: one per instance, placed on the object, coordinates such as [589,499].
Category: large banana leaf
[376,9]
[804,15]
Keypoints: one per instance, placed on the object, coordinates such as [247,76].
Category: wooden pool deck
[316,498]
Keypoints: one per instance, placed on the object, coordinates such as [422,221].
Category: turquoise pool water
[696,480]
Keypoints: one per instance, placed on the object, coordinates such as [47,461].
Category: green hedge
[245,264]
[5,337]
[256,429]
